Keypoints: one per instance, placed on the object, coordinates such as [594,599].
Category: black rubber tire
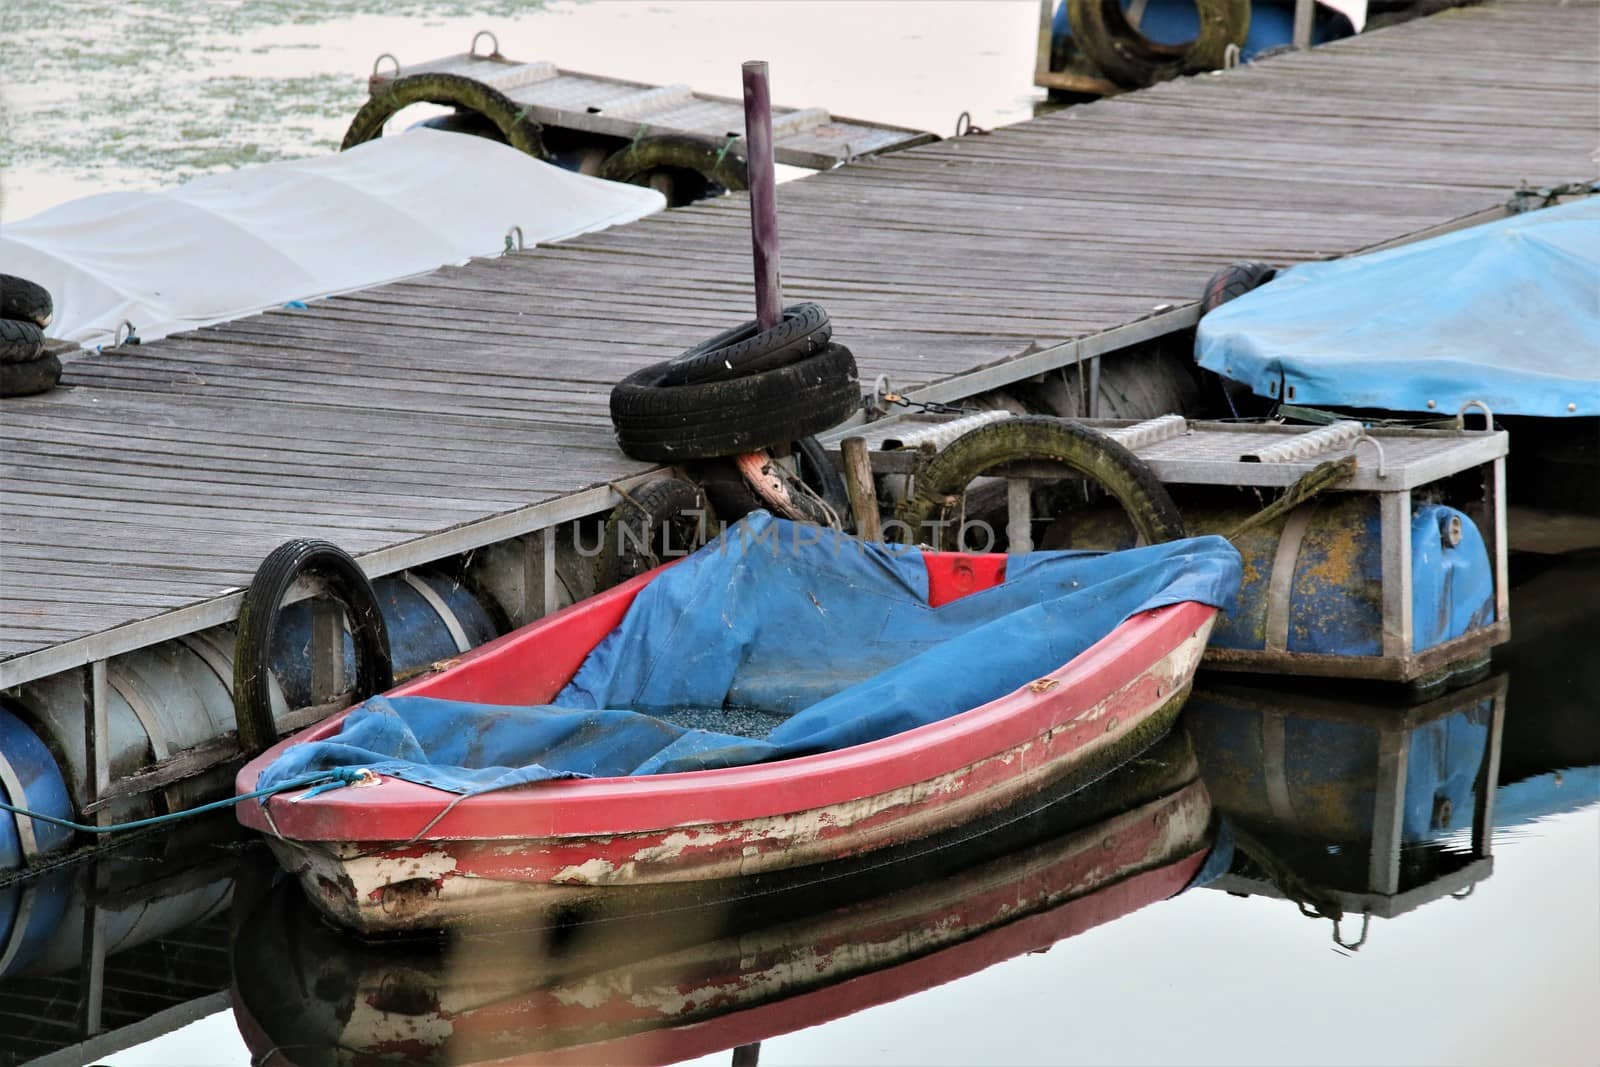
[1088,452]
[746,349]
[25,300]
[452,90]
[30,378]
[731,497]
[1233,281]
[667,513]
[1107,39]
[725,489]
[665,424]
[343,580]
[717,164]
[827,480]
[20,342]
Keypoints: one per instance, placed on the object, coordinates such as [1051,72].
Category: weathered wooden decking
[422,418]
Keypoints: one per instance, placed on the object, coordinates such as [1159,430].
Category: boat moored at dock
[912,692]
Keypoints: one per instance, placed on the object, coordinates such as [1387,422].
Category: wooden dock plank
[471,402]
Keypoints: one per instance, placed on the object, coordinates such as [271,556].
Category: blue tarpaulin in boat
[1507,313]
[833,635]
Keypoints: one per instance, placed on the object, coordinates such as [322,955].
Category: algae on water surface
[145,95]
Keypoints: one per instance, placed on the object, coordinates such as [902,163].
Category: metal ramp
[613,107]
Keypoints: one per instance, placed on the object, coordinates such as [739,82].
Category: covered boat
[164,262]
[785,697]
[1506,314]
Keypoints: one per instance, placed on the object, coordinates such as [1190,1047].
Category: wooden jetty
[424,418]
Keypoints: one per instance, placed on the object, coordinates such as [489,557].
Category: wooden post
[1304,12]
[1019,516]
[763,194]
[863,497]
[97,735]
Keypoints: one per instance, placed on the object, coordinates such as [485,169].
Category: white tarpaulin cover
[227,245]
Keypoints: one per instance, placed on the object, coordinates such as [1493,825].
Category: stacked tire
[26,367]
[743,390]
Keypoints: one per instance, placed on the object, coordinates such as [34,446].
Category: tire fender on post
[20,342]
[1146,502]
[451,90]
[717,162]
[664,423]
[1103,33]
[26,379]
[1233,281]
[25,300]
[628,543]
[343,580]
[748,349]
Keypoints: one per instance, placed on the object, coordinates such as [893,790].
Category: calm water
[937,958]
[927,961]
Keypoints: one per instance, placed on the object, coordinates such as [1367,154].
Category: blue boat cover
[1507,313]
[833,634]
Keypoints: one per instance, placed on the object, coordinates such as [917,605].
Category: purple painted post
[763,194]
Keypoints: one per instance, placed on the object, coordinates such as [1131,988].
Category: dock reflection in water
[103,954]
[1348,809]
[666,982]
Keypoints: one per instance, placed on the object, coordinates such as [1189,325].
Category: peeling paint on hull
[378,889]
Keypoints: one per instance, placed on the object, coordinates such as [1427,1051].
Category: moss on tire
[1103,33]
[654,523]
[451,90]
[942,482]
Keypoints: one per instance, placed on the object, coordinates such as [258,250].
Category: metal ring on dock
[1488,416]
[518,247]
[1366,921]
[391,57]
[473,50]
[117,338]
[1366,439]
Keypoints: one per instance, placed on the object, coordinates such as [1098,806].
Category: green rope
[341,776]
[1322,477]
[633,148]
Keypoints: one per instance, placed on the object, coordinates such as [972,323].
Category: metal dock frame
[1392,463]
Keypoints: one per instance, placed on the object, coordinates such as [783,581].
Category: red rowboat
[394,855]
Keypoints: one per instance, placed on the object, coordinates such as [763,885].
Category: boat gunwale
[394,810]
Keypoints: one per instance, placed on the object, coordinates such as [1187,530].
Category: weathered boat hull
[649,992]
[396,856]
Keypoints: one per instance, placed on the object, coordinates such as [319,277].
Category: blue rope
[339,776]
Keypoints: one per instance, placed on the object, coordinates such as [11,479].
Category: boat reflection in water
[1349,808]
[671,979]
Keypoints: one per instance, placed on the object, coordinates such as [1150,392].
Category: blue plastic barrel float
[1335,604]
[29,778]
[429,617]
[1335,588]
[1177,22]
[178,694]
